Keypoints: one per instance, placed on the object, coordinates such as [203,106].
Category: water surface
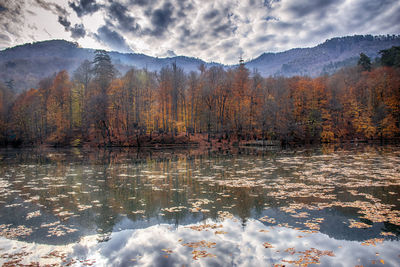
[326,205]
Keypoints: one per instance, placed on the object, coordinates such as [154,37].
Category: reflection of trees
[395,229]
[123,181]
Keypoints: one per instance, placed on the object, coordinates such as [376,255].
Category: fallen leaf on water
[355,224]
[267,245]
[205,227]
[372,242]
[220,232]
[201,254]
[388,234]
[169,251]
[201,243]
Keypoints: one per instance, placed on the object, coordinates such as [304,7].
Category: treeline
[96,105]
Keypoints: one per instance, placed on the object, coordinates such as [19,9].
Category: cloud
[147,246]
[64,22]
[211,14]
[4,40]
[119,13]
[170,53]
[112,39]
[78,31]
[11,20]
[161,18]
[2,8]
[53,7]
[303,8]
[84,7]
[241,245]
[211,30]
[269,3]
[142,2]
[4,37]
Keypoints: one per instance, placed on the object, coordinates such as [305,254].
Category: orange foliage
[233,104]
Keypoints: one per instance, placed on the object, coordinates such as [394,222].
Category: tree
[45,88]
[6,100]
[364,62]
[84,74]
[26,114]
[103,69]
[60,107]
[106,110]
[178,96]
[241,102]
[390,57]
[164,97]
[82,77]
[104,72]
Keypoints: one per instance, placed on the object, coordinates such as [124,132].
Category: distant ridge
[327,57]
[27,64]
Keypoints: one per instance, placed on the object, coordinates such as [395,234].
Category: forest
[96,105]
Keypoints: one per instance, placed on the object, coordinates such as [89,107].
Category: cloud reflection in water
[241,245]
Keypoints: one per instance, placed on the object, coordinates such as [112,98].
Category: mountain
[324,58]
[27,64]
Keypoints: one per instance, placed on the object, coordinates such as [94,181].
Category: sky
[220,31]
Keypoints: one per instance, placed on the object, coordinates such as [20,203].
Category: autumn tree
[6,100]
[26,117]
[194,103]
[164,97]
[82,78]
[45,88]
[59,107]
[241,99]
[103,109]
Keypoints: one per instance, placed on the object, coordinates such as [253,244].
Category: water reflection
[93,203]
[220,243]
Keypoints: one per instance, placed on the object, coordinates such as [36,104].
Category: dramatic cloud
[212,30]
[78,31]
[112,39]
[53,7]
[119,13]
[83,7]
[64,22]
[161,18]
[11,19]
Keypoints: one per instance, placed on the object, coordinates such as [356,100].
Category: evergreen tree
[390,57]
[104,70]
[364,62]
[104,73]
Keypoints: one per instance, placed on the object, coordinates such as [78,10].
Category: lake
[327,205]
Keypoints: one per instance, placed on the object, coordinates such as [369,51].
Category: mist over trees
[97,105]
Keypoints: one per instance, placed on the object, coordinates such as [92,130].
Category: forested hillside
[325,58]
[27,64]
[93,105]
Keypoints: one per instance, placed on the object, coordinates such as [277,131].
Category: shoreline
[220,144]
